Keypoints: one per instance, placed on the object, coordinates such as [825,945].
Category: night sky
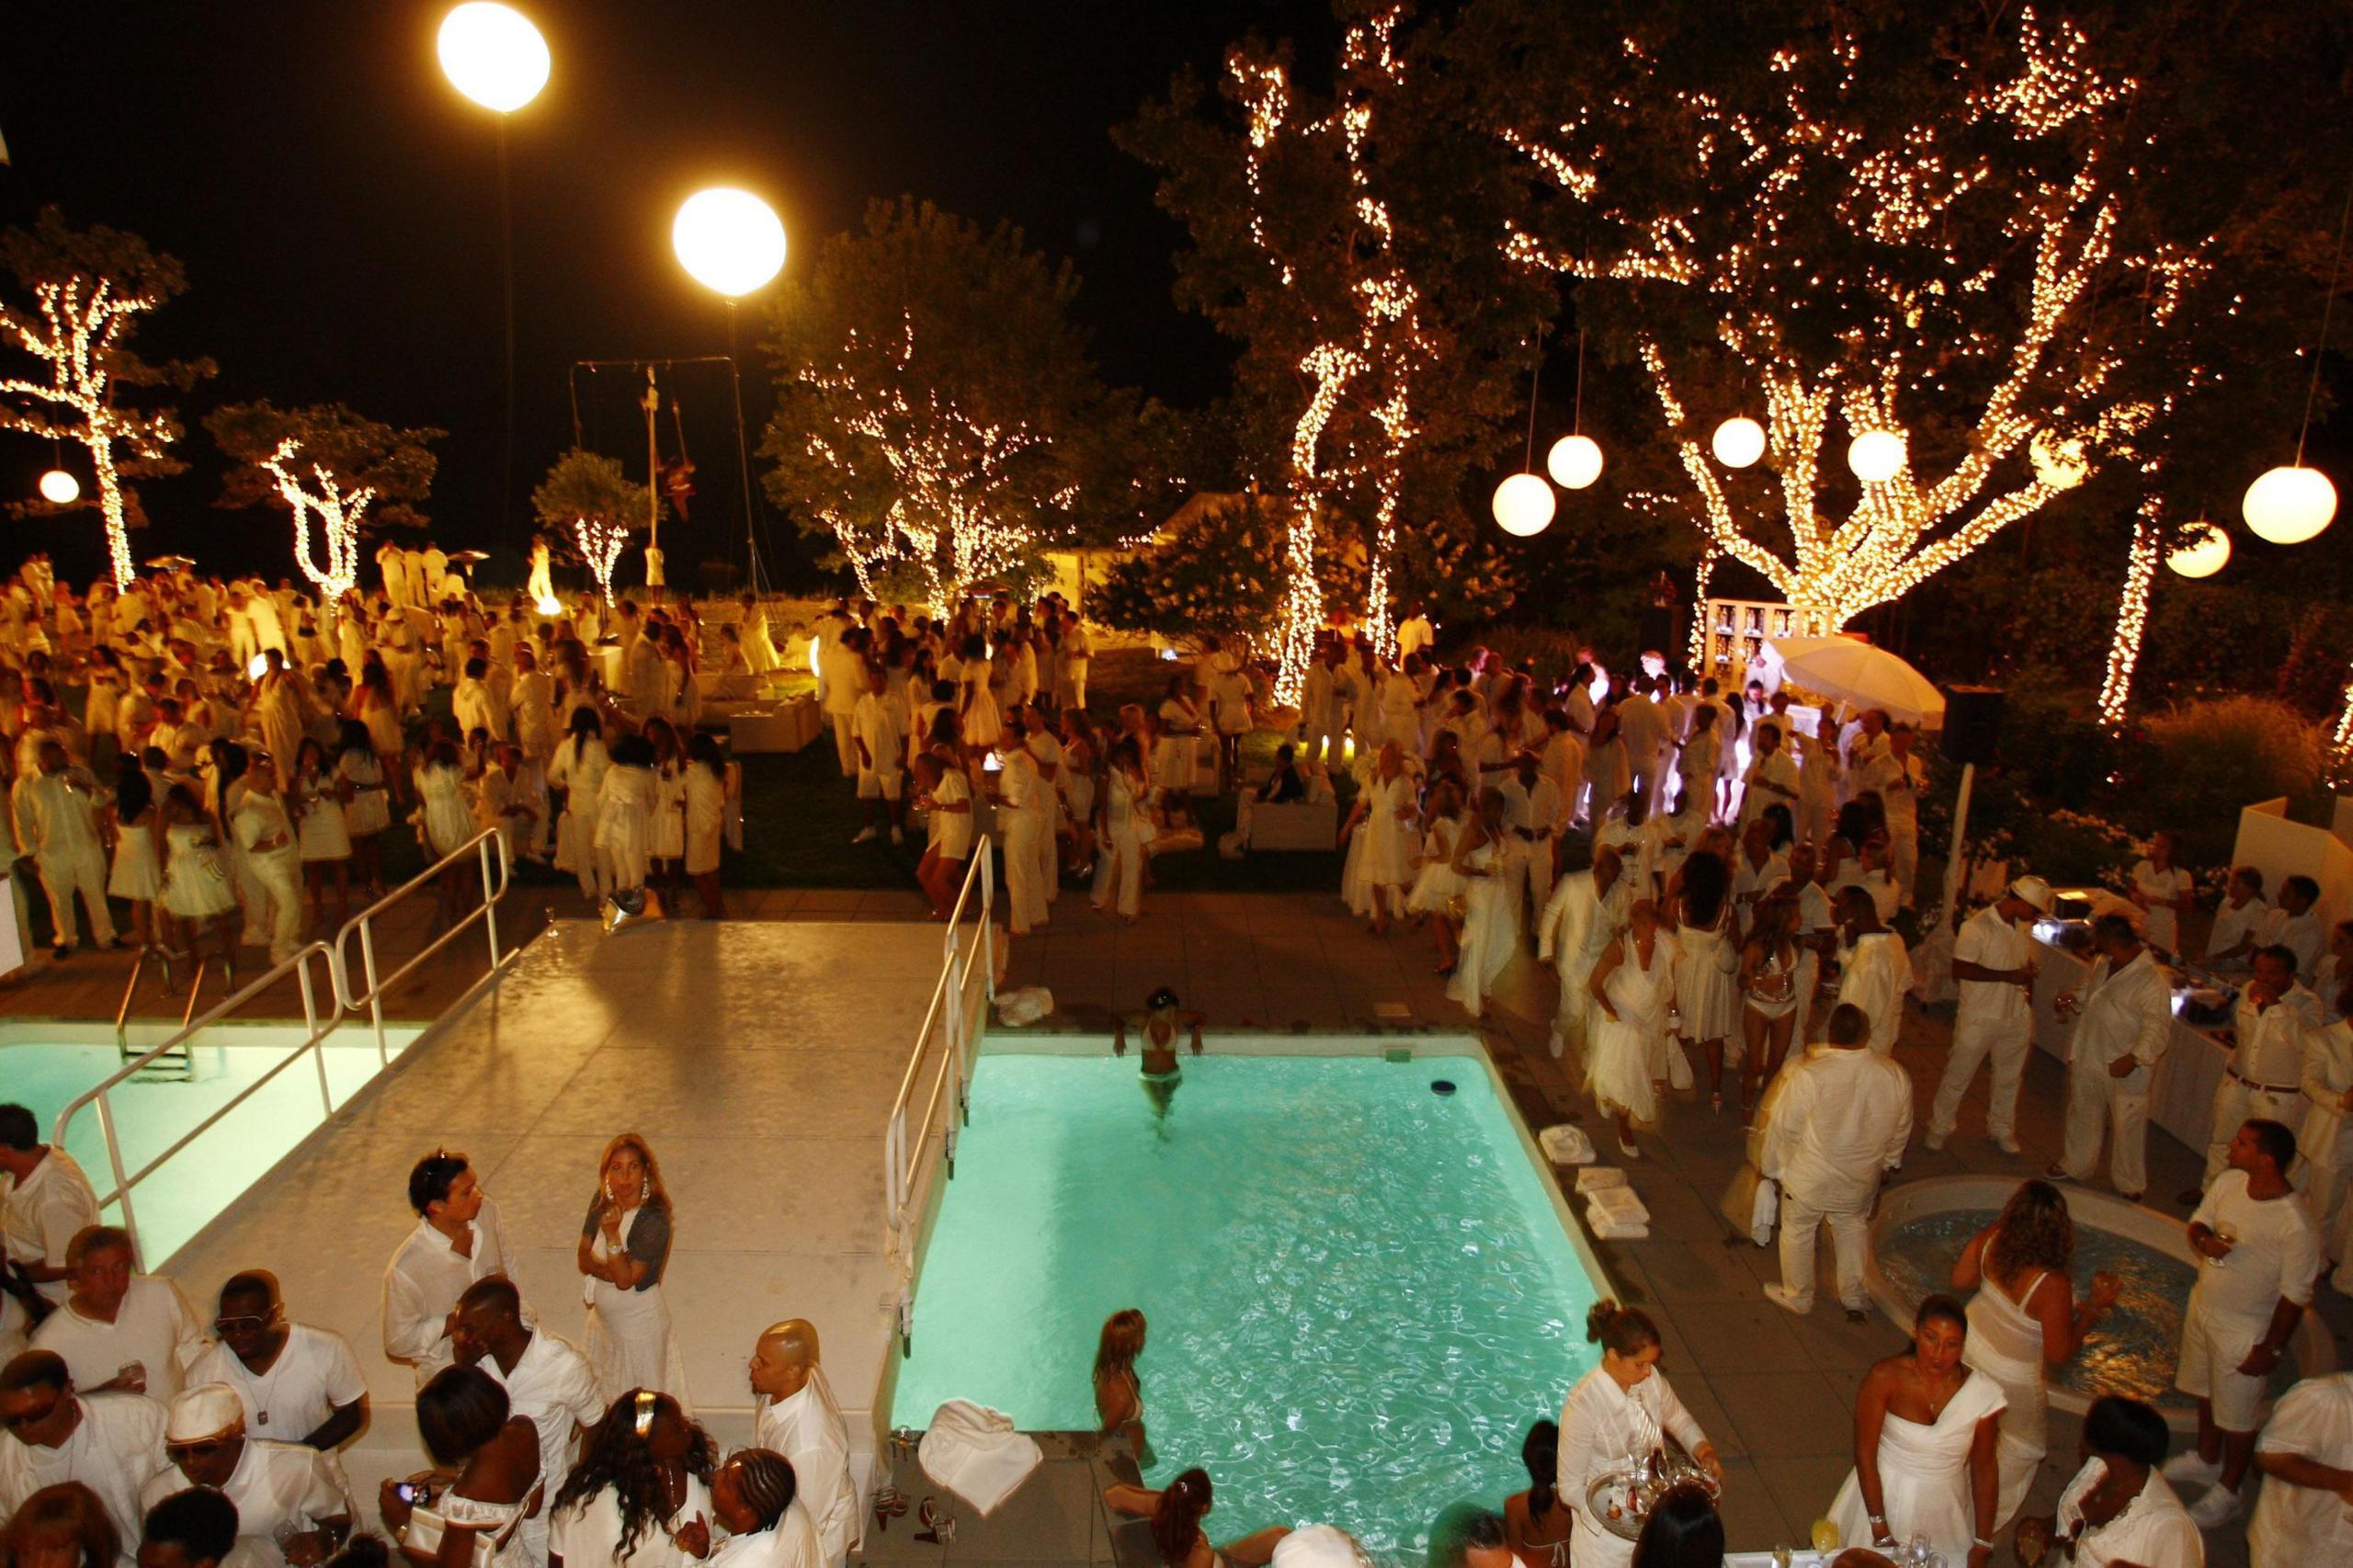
[335,203]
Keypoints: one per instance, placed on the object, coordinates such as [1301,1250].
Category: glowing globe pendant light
[2204,556]
[1739,442]
[1524,505]
[2289,505]
[60,488]
[1877,456]
[493,55]
[1575,461]
[729,240]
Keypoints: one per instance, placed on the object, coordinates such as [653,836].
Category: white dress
[196,877]
[369,809]
[578,770]
[1172,755]
[1924,1476]
[1624,1057]
[1490,933]
[448,823]
[706,819]
[1389,838]
[323,835]
[666,835]
[2007,1345]
[624,804]
[137,872]
[1706,992]
[628,1339]
[1437,884]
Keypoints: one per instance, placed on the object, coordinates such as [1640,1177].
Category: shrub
[2210,758]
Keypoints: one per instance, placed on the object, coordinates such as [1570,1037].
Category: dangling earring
[644,1188]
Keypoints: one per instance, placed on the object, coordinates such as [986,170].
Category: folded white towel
[1566,1145]
[1618,1202]
[976,1453]
[1608,1229]
[1593,1176]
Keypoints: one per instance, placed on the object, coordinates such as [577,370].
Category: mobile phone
[410,1492]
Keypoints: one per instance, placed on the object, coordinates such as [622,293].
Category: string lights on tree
[1945,288]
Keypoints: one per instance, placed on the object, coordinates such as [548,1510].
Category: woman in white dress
[366,805]
[644,1475]
[1025,820]
[1173,753]
[706,819]
[624,1250]
[1633,986]
[1927,1439]
[945,798]
[665,831]
[136,873]
[983,720]
[1622,1411]
[1077,782]
[1437,884]
[625,805]
[1126,831]
[1707,981]
[447,822]
[1490,932]
[197,890]
[1770,964]
[2164,890]
[1385,814]
[322,834]
[469,1428]
[578,770]
[2025,1319]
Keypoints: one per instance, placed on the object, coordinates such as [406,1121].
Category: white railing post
[121,1180]
[311,1023]
[490,904]
[375,992]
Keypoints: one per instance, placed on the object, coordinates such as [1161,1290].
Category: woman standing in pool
[2025,1319]
[1622,1408]
[1177,1535]
[1162,1016]
[1927,1440]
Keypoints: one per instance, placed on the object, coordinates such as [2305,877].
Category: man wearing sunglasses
[298,1384]
[49,1435]
[292,1502]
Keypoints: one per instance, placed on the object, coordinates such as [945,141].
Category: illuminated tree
[328,461]
[937,416]
[1968,227]
[1344,241]
[89,287]
[588,497]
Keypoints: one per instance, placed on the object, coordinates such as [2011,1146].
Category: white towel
[1607,1229]
[1620,1203]
[1593,1176]
[976,1453]
[1566,1145]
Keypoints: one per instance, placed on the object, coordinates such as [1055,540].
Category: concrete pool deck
[588,1034]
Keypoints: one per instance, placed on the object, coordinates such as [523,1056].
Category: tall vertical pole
[506,273]
[743,454]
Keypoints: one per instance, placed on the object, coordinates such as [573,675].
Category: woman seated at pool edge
[1118,1396]
[1177,1535]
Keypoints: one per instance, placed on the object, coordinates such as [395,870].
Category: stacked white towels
[1615,1214]
[1593,1176]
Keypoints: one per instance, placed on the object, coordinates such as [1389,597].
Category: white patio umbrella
[1858,672]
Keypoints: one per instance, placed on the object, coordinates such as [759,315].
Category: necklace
[265,1386]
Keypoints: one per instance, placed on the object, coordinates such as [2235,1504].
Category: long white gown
[1624,1056]
[1119,874]
[628,1338]
[2007,1345]
[1924,1476]
[1490,932]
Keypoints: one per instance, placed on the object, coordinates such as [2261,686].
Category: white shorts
[878,786]
[2212,1349]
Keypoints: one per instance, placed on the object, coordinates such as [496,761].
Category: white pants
[1904,861]
[1528,874]
[1028,845]
[1849,1239]
[1973,1040]
[1813,824]
[63,873]
[1074,684]
[2323,1183]
[1119,870]
[2096,1104]
[251,896]
[2237,1102]
[280,876]
[845,743]
[1809,977]
[1323,733]
[1573,1023]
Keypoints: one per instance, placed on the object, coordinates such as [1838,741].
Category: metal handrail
[905,1142]
[363,924]
[316,1033]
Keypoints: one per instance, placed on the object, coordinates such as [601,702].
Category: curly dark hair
[2035,1232]
[615,1456]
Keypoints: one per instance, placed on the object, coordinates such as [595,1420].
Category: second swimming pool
[1361,1295]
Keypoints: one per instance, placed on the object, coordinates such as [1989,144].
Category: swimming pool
[1361,1292]
[46,1066]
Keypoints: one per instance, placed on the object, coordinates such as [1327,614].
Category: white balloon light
[2058,462]
[1524,504]
[1575,461]
[729,240]
[2203,556]
[60,488]
[2289,505]
[1877,456]
[258,666]
[493,55]
[550,607]
[1739,442]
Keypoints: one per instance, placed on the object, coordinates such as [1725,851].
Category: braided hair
[769,1484]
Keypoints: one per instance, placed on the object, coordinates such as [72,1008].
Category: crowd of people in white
[137,1433]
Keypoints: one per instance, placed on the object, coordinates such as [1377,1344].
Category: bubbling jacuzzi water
[2135,1348]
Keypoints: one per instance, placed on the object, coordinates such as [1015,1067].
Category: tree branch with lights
[589,499]
[89,288]
[325,461]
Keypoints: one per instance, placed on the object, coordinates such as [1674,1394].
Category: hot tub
[1361,1293]
[1922,1227]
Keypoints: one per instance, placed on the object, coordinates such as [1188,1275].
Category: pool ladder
[180,1064]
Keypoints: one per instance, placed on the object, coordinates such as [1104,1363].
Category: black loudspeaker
[1973,724]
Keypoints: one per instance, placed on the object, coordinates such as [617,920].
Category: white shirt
[1600,1424]
[1536,807]
[792,1544]
[553,1387]
[2328,1072]
[1577,924]
[1874,974]
[118,1444]
[1776,771]
[2129,1012]
[1413,634]
[1843,1118]
[44,1213]
[422,1285]
[2300,933]
[2233,922]
[1990,941]
[274,1484]
[2275,1255]
[2301,1526]
[64,809]
[314,1374]
[153,1326]
[2270,1049]
[2162,890]
[588,1533]
[1897,781]
[2154,1530]
[807,1429]
[881,725]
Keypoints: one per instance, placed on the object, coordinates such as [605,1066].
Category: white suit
[1842,1117]
[2126,1013]
[2265,1076]
[1995,1018]
[1874,974]
[60,811]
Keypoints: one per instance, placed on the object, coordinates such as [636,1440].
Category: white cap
[206,1410]
[1318,1546]
[2034,890]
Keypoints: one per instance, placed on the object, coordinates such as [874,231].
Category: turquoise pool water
[45,1069]
[1359,1296]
